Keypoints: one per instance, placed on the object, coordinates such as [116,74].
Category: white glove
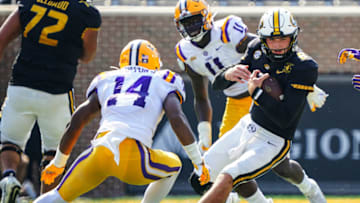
[317,98]
[205,136]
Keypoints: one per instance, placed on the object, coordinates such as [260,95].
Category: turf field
[194,199]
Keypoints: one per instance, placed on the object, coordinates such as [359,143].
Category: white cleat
[10,189]
[315,195]
[233,198]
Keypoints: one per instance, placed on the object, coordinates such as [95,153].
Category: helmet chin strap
[199,37]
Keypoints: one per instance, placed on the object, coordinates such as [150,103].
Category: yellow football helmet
[140,52]
[193,18]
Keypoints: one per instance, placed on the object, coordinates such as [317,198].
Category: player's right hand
[203,172]
[50,172]
[356,82]
[238,73]
[348,53]
[205,136]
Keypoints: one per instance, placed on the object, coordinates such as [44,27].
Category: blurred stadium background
[327,142]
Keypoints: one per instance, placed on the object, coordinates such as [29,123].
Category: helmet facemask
[288,51]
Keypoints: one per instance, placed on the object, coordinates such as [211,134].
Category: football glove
[50,172]
[356,82]
[348,53]
[317,98]
[205,138]
[203,172]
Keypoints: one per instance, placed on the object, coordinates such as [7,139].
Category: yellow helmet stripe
[276,23]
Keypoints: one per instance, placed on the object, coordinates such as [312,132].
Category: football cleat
[269,200]
[193,18]
[315,195]
[10,189]
[142,53]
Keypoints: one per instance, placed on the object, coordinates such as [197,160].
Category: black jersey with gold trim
[296,76]
[52,42]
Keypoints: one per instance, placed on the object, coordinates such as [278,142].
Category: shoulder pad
[255,43]
[303,56]
[179,51]
[175,83]
[184,50]
[233,29]
[94,83]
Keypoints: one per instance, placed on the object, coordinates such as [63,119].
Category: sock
[305,184]
[51,196]
[158,190]
[257,197]
[9,172]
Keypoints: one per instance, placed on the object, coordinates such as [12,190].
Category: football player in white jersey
[131,100]
[207,47]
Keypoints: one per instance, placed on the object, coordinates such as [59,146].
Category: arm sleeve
[92,18]
[283,113]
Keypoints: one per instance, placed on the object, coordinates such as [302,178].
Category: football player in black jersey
[262,139]
[55,35]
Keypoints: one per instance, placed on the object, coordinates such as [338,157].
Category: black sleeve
[91,16]
[220,83]
[283,113]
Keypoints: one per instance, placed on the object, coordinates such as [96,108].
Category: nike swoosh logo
[271,143]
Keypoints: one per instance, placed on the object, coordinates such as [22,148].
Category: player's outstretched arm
[9,30]
[203,108]
[90,39]
[83,115]
[348,53]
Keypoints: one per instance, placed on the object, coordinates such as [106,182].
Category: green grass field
[194,199]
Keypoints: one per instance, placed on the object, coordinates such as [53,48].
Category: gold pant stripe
[252,175]
[154,165]
[235,109]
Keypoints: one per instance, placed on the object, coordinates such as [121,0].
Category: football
[272,87]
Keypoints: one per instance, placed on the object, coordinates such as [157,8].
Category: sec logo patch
[257,54]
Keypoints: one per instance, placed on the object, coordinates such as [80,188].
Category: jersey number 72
[40,12]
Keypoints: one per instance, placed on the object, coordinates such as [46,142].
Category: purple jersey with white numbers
[132,99]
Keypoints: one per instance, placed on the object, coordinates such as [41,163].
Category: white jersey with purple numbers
[131,100]
[221,52]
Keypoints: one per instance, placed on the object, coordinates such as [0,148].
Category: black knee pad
[8,146]
[195,184]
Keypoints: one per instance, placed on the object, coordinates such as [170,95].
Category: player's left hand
[50,172]
[348,53]
[256,80]
[317,98]
[203,172]
[356,82]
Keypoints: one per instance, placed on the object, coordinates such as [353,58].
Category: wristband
[193,153]
[60,159]
[204,129]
